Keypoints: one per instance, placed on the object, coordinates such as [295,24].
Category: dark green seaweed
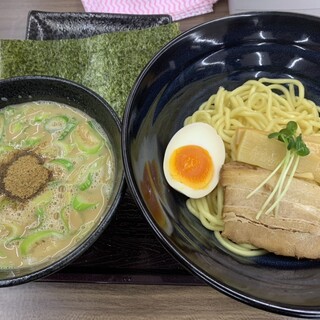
[108,64]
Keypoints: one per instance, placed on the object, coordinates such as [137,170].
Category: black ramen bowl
[186,72]
[34,88]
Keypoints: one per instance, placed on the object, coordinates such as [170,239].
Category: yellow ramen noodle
[264,104]
[56,177]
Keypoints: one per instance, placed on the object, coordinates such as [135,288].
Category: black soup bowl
[186,72]
[42,88]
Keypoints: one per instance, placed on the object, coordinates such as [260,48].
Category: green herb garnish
[296,148]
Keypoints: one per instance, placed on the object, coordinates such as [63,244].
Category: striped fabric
[178,9]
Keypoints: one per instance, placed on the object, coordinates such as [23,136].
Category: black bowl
[32,88]
[224,52]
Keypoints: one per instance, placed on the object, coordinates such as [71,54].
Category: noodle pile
[264,104]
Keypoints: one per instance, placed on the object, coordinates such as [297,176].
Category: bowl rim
[104,222]
[266,305]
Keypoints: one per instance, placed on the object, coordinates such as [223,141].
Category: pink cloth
[177,9]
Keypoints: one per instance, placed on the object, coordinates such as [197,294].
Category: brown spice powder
[23,176]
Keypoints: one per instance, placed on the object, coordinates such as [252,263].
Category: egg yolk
[192,166]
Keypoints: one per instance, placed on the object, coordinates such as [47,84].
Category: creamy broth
[71,157]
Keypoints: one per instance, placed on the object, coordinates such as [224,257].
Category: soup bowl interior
[224,52]
[41,88]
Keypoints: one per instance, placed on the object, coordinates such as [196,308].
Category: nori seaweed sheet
[108,64]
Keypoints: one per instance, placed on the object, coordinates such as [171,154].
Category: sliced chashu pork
[294,231]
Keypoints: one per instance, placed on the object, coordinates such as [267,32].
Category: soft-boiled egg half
[193,160]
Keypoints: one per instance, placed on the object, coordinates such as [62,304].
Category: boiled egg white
[193,160]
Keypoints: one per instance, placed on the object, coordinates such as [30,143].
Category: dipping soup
[56,176]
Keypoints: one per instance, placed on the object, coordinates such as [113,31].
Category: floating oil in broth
[76,152]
